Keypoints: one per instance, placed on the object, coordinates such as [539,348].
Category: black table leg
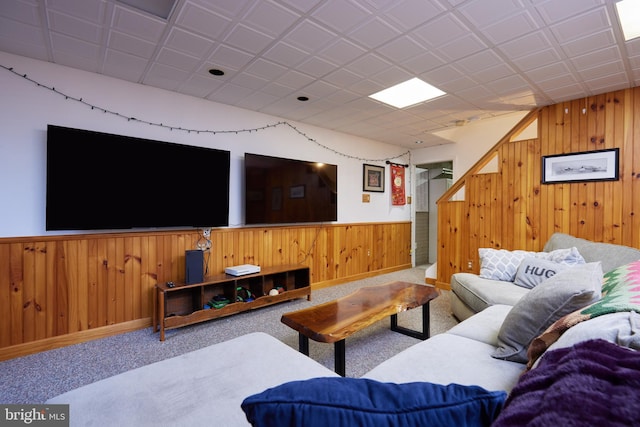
[340,364]
[410,332]
[303,344]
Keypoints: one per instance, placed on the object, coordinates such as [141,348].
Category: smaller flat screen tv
[100,181]
[289,191]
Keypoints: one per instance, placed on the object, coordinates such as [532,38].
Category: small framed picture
[373,178]
[296,192]
[599,165]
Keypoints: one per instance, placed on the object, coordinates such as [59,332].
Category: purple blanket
[592,383]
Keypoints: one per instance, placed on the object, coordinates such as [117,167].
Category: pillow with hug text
[532,271]
[501,264]
[568,291]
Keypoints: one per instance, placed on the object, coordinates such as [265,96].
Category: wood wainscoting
[61,290]
[510,208]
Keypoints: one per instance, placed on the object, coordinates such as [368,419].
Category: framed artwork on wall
[599,165]
[373,178]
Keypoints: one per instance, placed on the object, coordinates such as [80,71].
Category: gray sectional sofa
[208,386]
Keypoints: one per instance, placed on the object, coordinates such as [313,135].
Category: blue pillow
[350,402]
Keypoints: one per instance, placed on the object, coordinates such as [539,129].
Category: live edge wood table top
[334,321]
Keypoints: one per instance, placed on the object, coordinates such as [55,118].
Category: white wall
[26,109]
[468,143]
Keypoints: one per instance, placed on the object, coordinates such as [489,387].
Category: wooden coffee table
[334,321]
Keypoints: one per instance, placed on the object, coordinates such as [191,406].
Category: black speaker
[194,266]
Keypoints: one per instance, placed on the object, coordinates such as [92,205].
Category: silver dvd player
[241,270]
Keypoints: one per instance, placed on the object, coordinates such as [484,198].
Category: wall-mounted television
[288,191]
[100,181]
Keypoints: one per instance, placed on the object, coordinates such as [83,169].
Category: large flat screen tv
[288,191]
[100,181]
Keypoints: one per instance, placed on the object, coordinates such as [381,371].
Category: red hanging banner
[397,185]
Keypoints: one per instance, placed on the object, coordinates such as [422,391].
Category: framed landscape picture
[600,165]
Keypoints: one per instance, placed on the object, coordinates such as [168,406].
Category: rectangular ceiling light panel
[408,93]
[629,15]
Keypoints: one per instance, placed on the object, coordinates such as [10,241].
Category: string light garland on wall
[199,131]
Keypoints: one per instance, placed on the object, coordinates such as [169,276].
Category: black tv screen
[284,191]
[100,181]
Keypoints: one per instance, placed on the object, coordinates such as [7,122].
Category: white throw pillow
[501,264]
[533,271]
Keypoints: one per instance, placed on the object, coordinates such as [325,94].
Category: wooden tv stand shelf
[185,304]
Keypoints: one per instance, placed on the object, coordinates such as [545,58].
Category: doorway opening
[432,180]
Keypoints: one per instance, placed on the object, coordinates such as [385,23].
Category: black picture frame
[373,178]
[597,165]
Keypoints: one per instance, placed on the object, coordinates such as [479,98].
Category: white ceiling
[491,56]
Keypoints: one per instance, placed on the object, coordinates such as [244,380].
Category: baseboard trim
[340,281]
[26,349]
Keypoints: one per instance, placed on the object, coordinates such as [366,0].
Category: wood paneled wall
[511,209]
[60,290]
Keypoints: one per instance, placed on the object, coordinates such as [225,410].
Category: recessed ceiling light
[419,142]
[628,12]
[216,72]
[303,98]
[408,93]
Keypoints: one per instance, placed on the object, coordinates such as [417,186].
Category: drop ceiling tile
[131,45]
[77,48]
[478,62]
[607,83]
[317,67]
[589,43]
[340,15]
[270,18]
[368,65]
[423,63]
[525,45]
[176,59]
[483,14]
[499,71]
[266,69]
[284,54]
[29,34]
[537,59]
[277,89]
[511,28]
[567,93]
[581,26]
[341,52]
[230,94]
[612,68]
[548,71]
[137,24]
[248,81]
[401,49]
[303,6]
[247,39]
[199,86]
[367,87]
[228,57]
[88,10]
[464,46]
[189,43]
[599,57]
[441,31]
[20,47]
[257,100]
[320,89]
[77,28]
[309,36]
[555,11]
[295,80]
[391,76]
[559,81]
[228,8]
[409,14]
[373,33]
[440,76]
[21,11]
[124,66]
[202,21]
[507,86]
[165,77]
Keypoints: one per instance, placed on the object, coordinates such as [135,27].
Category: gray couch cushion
[448,358]
[483,326]
[479,293]
[532,271]
[610,256]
